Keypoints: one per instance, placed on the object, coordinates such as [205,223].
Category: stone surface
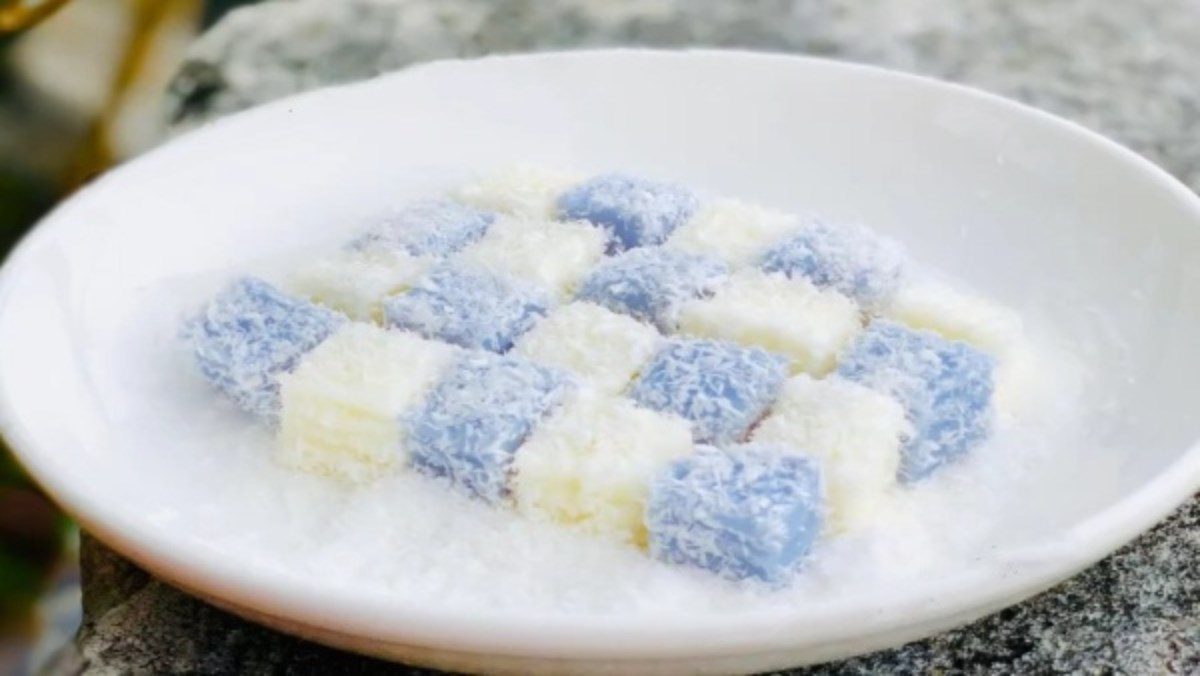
[1136,612]
[1130,70]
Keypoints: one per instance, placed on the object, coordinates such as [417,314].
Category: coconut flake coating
[339,406]
[791,317]
[468,428]
[356,282]
[944,386]
[735,232]
[634,212]
[599,347]
[855,432]
[651,284]
[722,388]
[551,255]
[249,335]
[428,228]
[589,465]
[521,190]
[467,307]
[849,258]
[748,512]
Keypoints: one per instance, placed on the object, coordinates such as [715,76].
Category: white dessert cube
[340,407]
[590,464]
[855,432]
[791,317]
[520,190]
[355,282]
[603,349]
[956,315]
[732,231]
[552,255]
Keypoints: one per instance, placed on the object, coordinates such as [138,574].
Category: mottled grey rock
[1136,612]
[1130,70]
[1127,69]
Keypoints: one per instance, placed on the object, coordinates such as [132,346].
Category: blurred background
[81,85]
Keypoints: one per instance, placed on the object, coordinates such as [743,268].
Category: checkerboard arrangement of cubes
[718,383]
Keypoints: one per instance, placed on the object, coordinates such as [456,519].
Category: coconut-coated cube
[720,387]
[589,465]
[550,255]
[249,335]
[732,231]
[520,190]
[468,428]
[995,329]
[751,512]
[633,212]
[851,259]
[466,306]
[434,228]
[341,406]
[956,315]
[355,282]
[599,347]
[944,386]
[651,284]
[856,434]
[792,317]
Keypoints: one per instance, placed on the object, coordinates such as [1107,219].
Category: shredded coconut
[340,406]
[788,316]
[590,464]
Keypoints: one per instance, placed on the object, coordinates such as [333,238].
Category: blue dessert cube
[749,512]
[633,212]
[944,386]
[434,228]
[471,424]
[722,388]
[851,259]
[467,307]
[651,284]
[249,335]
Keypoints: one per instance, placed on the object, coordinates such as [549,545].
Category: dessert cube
[435,228]
[601,348]
[341,406]
[356,282]
[651,284]
[944,386]
[734,232]
[551,255]
[808,325]
[993,328]
[956,315]
[749,512]
[855,432]
[466,306]
[589,464]
[848,258]
[632,211]
[468,428]
[249,335]
[722,388]
[520,190]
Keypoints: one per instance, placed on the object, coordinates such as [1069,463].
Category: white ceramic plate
[1030,209]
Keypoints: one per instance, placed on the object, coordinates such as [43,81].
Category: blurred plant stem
[17,15]
[147,18]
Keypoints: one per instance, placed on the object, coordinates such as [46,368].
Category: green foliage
[20,583]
